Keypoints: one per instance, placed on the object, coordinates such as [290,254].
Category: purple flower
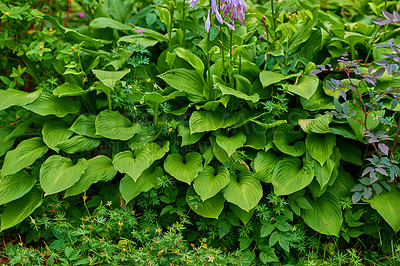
[192,3]
[82,15]
[208,22]
[236,8]
[139,30]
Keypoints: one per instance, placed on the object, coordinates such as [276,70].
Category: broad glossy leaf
[17,210]
[48,104]
[59,173]
[269,77]
[208,183]
[104,22]
[54,132]
[317,102]
[326,215]
[343,184]
[15,186]
[255,137]
[290,176]
[154,99]
[210,208]
[192,59]
[243,215]
[184,169]
[133,164]
[185,80]
[25,154]
[318,125]
[264,165]
[78,144]
[244,190]
[85,125]
[109,78]
[285,138]
[350,153]
[343,130]
[99,168]
[12,97]
[5,145]
[113,125]
[147,180]
[306,86]
[68,90]
[187,138]
[201,121]
[157,152]
[225,90]
[372,121]
[320,147]
[387,205]
[232,143]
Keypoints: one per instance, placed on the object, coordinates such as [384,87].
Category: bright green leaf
[208,183]
[133,164]
[12,97]
[54,132]
[113,125]
[15,186]
[184,169]
[285,137]
[210,208]
[320,147]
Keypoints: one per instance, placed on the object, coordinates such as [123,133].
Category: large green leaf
[5,145]
[85,125]
[284,136]
[387,205]
[16,211]
[243,215]
[320,147]
[78,144]
[342,185]
[103,22]
[185,80]
[48,104]
[25,154]
[109,78]
[192,59]
[255,137]
[201,121]
[244,190]
[184,169]
[99,168]
[232,143]
[207,184]
[12,97]
[154,99]
[59,173]
[372,121]
[147,180]
[157,152]
[350,153]
[210,208]
[290,176]
[306,86]
[225,90]
[264,165]
[187,138]
[268,77]
[113,125]
[326,215]
[319,125]
[68,90]
[133,164]
[14,186]
[54,132]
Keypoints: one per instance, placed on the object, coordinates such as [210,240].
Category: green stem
[273,17]
[183,19]
[209,81]
[109,99]
[223,53]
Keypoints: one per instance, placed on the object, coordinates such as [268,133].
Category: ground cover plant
[203,132]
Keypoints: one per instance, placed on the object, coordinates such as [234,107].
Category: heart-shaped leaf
[207,184]
[244,190]
[109,78]
[148,179]
[187,138]
[319,125]
[99,168]
[59,173]
[201,121]
[157,152]
[54,132]
[320,147]
[326,216]
[184,169]
[78,144]
[15,186]
[285,137]
[17,210]
[12,97]
[243,215]
[306,86]
[113,125]
[133,164]
[48,104]
[25,154]
[264,165]
[230,144]
[210,208]
[85,125]
[289,176]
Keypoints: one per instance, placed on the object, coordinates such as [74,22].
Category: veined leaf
[5,145]
[284,136]
[210,208]
[54,132]
[187,138]
[109,78]
[15,186]
[255,137]
[157,152]
[59,173]
[244,190]
[78,144]
[133,164]
[103,22]
[225,90]
[85,125]
[68,90]
[17,210]
[320,147]
[185,80]
[25,154]
[243,215]
[269,77]
[113,125]
[326,215]
[192,59]
[12,97]
[48,104]
[264,165]
[207,184]
[184,169]
[99,168]
[372,121]
[306,86]
[350,153]
[318,125]
[342,185]
[232,143]
[201,121]
[289,176]
[147,180]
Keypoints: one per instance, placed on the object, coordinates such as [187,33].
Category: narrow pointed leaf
[5,145]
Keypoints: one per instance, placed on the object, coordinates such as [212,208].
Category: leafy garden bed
[201,132]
